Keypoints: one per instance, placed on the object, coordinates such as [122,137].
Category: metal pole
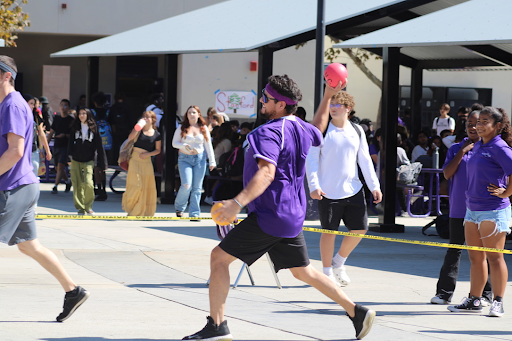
[319,60]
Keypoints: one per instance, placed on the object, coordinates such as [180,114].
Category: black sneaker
[68,187]
[468,305]
[54,190]
[102,196]
[362,320]
[72,301]
[212,332]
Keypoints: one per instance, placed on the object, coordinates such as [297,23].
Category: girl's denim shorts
[500,217]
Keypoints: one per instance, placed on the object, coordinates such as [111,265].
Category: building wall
[103,17]
[33,52]
[499,81]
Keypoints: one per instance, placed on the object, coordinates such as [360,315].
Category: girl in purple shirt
[487,218]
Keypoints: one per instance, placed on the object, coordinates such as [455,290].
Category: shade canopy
[244,25]
[473,33]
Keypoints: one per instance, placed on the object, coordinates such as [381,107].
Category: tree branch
[363,68]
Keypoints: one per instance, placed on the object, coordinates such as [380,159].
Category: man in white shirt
[444,121]
[332,171]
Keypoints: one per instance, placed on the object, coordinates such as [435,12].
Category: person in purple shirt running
[487,218]
[19,188]
[274,170]
[454,169]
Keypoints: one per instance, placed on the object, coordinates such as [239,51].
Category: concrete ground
[148,282]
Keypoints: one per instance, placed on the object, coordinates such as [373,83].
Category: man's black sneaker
[468,305]
[212,332]
[72,301]
[362,320]
[68,187]
[54,190]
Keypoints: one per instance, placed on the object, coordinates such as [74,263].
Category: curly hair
[286,86]
[499,115]
[200,122]
[343,97]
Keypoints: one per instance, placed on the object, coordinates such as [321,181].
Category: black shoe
[68,187]
[72,301]
[102,196]
[362,320]
[54,190]
[179,214]
[212,332]
[468,305]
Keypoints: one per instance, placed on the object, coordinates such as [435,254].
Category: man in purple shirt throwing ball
[274,173]
[19,189]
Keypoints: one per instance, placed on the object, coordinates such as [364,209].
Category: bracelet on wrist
[238,203]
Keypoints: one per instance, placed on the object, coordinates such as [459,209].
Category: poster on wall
[236,102]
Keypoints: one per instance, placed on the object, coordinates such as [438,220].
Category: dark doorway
[137,78]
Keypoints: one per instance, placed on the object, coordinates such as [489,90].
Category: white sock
[338,261]
[328,271]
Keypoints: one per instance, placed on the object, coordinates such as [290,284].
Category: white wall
[203,74]
[103,17]
[499,81]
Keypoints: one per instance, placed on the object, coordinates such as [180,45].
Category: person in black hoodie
[84,142]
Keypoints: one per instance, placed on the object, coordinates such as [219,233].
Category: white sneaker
[485,302]
[208,200]
[438,300]
[496,309]
[331,277]
[341,276]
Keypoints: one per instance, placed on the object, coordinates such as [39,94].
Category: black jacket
[84,151]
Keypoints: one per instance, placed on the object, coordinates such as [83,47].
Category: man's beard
[267,115]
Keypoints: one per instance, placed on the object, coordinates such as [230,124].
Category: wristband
[238,203]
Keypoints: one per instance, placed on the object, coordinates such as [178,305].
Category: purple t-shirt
[284,142]
[458,181]
[16,117]
[491,163]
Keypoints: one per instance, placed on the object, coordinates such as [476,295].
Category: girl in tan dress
[140,196]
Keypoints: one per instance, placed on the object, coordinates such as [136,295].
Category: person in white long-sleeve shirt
[192,138]
[332,172]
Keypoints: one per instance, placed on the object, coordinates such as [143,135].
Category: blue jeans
[192,169]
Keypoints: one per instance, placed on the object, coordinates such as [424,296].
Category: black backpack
[442,223]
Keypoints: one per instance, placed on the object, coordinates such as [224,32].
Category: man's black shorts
[248,243]
[60,155]
[352,210]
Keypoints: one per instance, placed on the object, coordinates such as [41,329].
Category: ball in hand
[334,73]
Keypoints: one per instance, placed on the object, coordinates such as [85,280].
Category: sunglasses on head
[266,98]
[337,105]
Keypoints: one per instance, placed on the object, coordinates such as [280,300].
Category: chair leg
[250,274]
[239,275]
[278,283]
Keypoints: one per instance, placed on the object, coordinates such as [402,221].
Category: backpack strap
[356,128]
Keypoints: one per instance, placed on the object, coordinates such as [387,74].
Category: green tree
[12,19]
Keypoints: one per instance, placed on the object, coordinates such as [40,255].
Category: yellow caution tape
[309,229]
[112,217]
[407,241]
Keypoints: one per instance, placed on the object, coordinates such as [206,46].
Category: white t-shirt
[332,166]
[441,124]
[417,152]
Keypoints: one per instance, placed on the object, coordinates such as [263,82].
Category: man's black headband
[7,68]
